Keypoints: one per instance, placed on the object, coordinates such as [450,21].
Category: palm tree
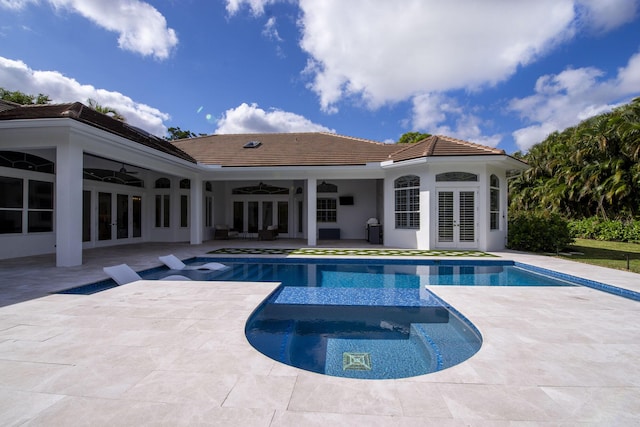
[109,111]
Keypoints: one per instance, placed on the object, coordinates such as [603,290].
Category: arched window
[456,177]
[407,201]
[185,184]
[163,183]
[26,161]
[114,177]
[325,187]
[494,203]
[261,188]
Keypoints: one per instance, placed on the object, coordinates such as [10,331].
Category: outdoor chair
[269,234]
[223,232]
[174,263]
[123,274]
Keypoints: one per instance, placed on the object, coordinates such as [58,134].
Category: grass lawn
[606,254]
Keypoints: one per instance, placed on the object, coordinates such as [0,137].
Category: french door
[456,226]
[250,216]
[118,217]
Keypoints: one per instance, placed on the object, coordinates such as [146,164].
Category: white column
[195,219]
[68,205]
[312,205]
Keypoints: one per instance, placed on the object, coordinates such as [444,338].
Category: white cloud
[270,30]
[430,112]
[141,28]
[16,75]
[604,15]
[251,119]
[15,4]
[389,51]
[382,52]
[563,100]
[256,6]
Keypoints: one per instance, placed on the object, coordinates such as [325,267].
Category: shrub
[595,228]
[538,232]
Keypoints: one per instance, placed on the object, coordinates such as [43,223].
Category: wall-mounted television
[346,200]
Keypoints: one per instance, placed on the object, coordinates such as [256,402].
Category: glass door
[283,217]
[104,216]
[456,226]
[119,216]
[250,216]
[122,215]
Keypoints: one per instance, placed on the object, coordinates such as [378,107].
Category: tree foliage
[592,169]
[411,137]
[109,111]
[175,133]
[23,98]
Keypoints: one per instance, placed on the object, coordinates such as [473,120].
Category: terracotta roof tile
[318,149]
[275,149]
[439,145]
[78,111]
[285,149]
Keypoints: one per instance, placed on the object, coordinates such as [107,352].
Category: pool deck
[174,354]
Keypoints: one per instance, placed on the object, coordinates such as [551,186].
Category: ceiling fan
[124,170]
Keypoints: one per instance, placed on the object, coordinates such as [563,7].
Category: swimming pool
[366,318]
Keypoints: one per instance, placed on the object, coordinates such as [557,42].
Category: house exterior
[72,178]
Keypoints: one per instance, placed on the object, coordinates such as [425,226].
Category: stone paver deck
[174,353]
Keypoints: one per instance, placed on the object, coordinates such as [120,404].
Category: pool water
[366,319]
[347,274]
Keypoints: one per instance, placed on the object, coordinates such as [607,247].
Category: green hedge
[595,228]
[538,232]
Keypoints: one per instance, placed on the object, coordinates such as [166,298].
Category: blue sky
[499,73]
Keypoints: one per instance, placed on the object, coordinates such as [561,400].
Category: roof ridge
[412,145]
[257,134]
[352,137]
[471,144]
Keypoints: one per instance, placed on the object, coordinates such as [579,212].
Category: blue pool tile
[355,296]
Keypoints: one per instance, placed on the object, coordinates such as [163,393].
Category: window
[494,203]
[163,183]
[327,210]
[326,187]
[407,201]
[40,212]
[163,208]
[114,177]
[208,211]
[184,211]
[261,188]
[185,184]
[11,204]
[456,177]
[39,206]
[25,161]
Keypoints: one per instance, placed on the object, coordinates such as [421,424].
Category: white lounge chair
[174,263]
[123,274]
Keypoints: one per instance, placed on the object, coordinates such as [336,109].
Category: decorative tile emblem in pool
[356,361]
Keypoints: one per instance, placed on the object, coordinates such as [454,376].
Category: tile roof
[318,149]
[82,113]
[439,145]
[284,149]
[274,150]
